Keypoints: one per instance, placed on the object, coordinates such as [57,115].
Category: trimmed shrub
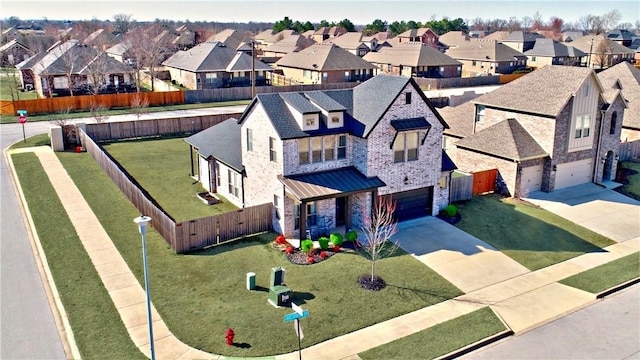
[324,243]
[323,254]
[310,259]
[351,235]
[336,248]
[306,245]
[451,210]
[336,239]
[289,249]
[280,239]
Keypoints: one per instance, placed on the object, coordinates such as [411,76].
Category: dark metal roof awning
[328,184]
[410,124]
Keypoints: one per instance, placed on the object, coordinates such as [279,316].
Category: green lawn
[9,84]
[606,276]
[633,187]
[38,140]
[7,119]
[440,339]
[96,324]
[162,167]
[530,235]
[202,294]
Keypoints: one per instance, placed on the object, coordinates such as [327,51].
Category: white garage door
[573,173]
[530,179]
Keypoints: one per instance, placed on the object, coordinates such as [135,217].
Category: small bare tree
[377,232]
[99,112]
[68,130]
[139,105]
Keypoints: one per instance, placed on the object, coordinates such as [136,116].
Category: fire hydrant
[229,336]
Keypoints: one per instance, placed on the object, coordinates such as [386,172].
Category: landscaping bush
[351,235]
[306,245]
[336,239]
[336,248]
[324,243]
[280,239]
[451,210]
[323,254]
[289,250]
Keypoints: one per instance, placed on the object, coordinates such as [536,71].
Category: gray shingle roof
[460,119]
[412,54]
[629,77]
[522,36]
[584,44]
[299,102]
[552,48]
[221,141]
[545,91]
[290,44]
[212,56]
[324,57]
[506,139]
[485,50]
[324,101]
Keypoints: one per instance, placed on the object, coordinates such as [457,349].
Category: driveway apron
[462,259]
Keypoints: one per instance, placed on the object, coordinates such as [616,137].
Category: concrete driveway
[598,209]
[464,260]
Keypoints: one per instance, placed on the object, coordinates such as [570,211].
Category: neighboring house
[635,46]
[232,38]
[625,77]
[453,39]
[602,52]
[100,39]
[550,52]
[273,39]
[414,59]
[553,128]
[290,44]
[261,38]
[180,38]
[13,53]
[422,35]
[325,33]
[325,63]
[74,66]
[569,36]
[487,57]
[120,51]
[211,65]
[621,36]
[521,40]
[322,157]
[496,35]
[355,43]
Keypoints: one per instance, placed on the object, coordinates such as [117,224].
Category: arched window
[614,120]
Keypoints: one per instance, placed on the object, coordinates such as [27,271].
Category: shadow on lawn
[424,295]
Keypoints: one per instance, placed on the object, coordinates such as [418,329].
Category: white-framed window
[329,145]
[583,126]
[310,121]
[311,215]
[304,73]
[249,140]
[342,147]
[303,151]
[480,113]
[218,175]
[211,77]
[325,76]
[276,204]
[405,147]
[335,120]
[60,82]
[234,183]
[316,149]
[273,154]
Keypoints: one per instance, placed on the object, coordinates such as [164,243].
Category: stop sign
[22,119]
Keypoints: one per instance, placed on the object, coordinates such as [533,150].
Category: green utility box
[277,276]
[251,281]
[279,295]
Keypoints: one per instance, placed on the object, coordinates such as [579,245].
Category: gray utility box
[251,281]
[277,276]
[279,295]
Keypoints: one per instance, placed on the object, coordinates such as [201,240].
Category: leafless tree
[514,24]
[99,112]
[526,23]
[96,68]
[637,26]
[146,53]
[68,130]
[139,105]
[592,24]
[377,231]
[121,23]
[70,63]
[611,19]
[602,55]
[12,81]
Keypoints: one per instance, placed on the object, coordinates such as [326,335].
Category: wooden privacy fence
[629,150]
[244,93]
[484,181]
[188,235]
[154,127]
[461,186]
[445,83]
[85,102]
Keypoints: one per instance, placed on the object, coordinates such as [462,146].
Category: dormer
[307,116]
[332,110]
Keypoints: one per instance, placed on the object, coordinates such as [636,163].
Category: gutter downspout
[595,171]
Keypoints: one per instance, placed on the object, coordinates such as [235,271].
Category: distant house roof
[213,56]
[230,37]
[120,48]
[551,48]
[620,35]
[568,36]
[454,38]
[506,139]
[586,45]
[324,57]
[496,35]
[522,36]
[264,35]
[545,91]
[365,105]
[329,183]
[629,77]
[99,37]
[348,41]
[412,33]
[293,43]
[485,50]
[412,54]
[221,141]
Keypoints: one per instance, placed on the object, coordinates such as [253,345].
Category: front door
[340,210]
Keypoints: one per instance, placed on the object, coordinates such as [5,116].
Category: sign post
[22,119]
[295,317]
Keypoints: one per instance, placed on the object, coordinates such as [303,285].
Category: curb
[617,288]
[51,291]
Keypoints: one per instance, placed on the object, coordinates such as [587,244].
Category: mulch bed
[376,284]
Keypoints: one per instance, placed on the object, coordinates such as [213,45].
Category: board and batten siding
[585,102]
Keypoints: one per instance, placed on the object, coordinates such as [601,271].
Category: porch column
[349,209]
[303,220]
[191,157]
[374,201]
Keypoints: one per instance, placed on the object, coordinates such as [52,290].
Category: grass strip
[440,339]
[532,236]
[606,276]
[200,295]
[98,330]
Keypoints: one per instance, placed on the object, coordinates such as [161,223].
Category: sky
[359,12]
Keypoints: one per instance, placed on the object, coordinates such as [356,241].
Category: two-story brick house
[547,130]
[323,157]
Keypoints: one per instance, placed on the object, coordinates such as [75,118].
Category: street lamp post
[142,226]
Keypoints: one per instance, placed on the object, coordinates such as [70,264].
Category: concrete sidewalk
[523,299]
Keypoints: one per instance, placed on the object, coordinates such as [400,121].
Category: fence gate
[484,181]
